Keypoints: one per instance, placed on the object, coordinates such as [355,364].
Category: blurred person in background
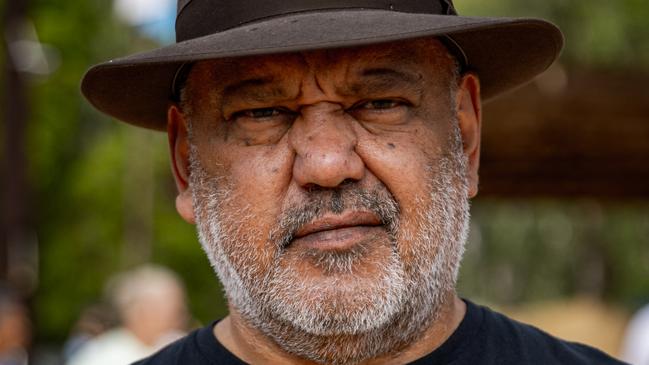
[93,321]
[635,348]
[15,330]
[151,304]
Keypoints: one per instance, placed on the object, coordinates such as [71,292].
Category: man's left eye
[261,113]
[380,104]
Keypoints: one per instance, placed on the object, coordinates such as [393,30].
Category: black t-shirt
[483,337]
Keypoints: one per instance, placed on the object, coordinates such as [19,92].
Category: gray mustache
[321,201]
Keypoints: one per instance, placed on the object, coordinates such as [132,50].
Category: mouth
[338,232]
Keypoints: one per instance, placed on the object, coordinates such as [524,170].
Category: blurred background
[560,230]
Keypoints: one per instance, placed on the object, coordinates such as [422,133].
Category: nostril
[312,187]
[347,182]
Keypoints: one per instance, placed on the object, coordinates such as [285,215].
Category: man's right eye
[260,113]
[261,125]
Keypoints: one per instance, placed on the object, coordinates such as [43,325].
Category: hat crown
[197,18]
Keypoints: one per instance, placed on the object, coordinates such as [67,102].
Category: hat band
[197,18]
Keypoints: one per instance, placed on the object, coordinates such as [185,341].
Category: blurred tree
[103,190]
[526,250]
[543,248]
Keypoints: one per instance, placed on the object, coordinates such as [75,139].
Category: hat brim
[505,53]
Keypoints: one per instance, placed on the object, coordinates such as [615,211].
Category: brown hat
[505,52]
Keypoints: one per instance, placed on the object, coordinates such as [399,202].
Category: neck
[252,346]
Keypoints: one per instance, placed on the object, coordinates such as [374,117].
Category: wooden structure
[569,133]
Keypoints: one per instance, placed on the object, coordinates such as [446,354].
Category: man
[326,151]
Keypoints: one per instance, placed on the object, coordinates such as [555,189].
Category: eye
[382,111]
[259,113]
[380,104]
[258,126]
[266,116]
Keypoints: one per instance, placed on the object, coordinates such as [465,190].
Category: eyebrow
[368,80]
[258,89]
[383,79]
[389,73]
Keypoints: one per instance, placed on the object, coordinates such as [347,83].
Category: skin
[15,332]
[277,126]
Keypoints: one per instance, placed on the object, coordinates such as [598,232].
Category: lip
[338,232]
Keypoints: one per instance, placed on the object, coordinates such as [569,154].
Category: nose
[325,145]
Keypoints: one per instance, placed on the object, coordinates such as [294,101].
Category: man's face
[330,191]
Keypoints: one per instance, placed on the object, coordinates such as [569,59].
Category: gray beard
[345,317]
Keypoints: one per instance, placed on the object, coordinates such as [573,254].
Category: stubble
[345,316]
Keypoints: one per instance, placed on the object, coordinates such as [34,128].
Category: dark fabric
[483,338]
[197,18]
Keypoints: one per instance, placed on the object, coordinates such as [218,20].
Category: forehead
[417,56]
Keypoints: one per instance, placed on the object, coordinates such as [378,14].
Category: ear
[469,112]
[179,150]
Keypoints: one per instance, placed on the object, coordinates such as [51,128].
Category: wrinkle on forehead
[286,73]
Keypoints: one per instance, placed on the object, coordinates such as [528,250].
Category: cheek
[261,174]
[258,178]
[256,174]
[400,160]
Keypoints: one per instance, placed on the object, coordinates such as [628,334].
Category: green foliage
[531,250]
[81,165]
[76,219]
[599,33]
